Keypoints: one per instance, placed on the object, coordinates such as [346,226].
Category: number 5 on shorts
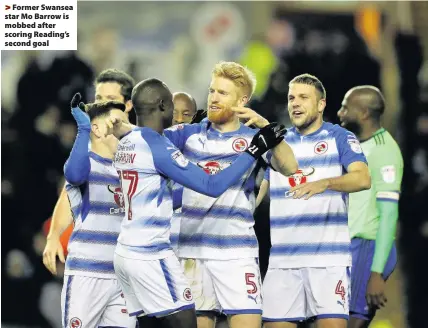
[250,282]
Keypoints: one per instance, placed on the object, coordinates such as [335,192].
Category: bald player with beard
[373,213]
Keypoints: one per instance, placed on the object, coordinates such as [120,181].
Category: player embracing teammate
[311,173]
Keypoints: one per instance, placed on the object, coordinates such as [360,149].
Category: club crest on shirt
[212,167]
[187,294]
[299,177]
[239,145]
[75,322]
[321,147]
[388,173]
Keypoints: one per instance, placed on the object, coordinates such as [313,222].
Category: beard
[354,127]
[303,123]
[220,117]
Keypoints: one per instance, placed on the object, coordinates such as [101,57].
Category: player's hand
[113,123]
[267,138]
[199,116]
[116,125]
[52,249]
[307,190]
[250,116]
[375,294]
[78,112]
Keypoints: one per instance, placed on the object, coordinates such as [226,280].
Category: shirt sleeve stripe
[388,195]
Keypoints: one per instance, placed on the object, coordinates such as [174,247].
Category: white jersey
[313,232]
[148,199]
[145,160]
[216,228]
[97,208]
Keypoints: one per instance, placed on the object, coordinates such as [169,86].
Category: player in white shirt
[147,268]
[110,85]
[91,295]
[217,243]
[310,258]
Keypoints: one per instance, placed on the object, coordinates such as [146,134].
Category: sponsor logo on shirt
[118,199]
[299,177]
[212,167]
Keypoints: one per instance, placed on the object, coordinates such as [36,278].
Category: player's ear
[161,105]
[321,105]
[128,106]
[95,128]
[243,101]
[365,113]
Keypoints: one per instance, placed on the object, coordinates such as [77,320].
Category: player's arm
[77,166]
[264,187]
[61,219]
[386,172]
[177,134]
[386,179]
[352,159]
[357,179]
[282,159]
[172,163]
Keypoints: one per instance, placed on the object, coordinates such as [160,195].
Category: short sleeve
[349,148]
[386,170]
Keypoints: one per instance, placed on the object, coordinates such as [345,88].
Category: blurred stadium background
[343,43]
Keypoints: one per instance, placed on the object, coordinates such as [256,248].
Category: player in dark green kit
[372,213]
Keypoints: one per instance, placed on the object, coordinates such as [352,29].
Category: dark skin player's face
[349,113]
[183,111]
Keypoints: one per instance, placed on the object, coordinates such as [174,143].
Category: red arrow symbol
[7,7]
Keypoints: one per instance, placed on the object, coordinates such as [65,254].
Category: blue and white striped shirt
[216,228]
[313,232]
[97,207]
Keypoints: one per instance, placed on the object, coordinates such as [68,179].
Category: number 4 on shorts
[340,290]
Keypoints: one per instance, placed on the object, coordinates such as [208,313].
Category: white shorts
[231,287]
[153,287]
[88,302]
[299,294]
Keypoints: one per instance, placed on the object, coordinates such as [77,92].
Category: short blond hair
[241,76]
